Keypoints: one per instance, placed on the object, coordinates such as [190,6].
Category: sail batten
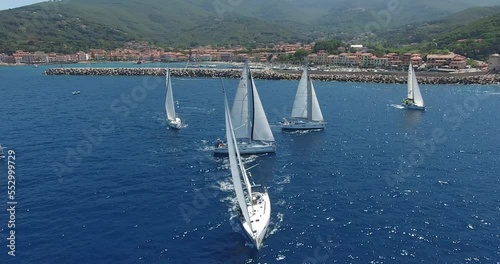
[169,99]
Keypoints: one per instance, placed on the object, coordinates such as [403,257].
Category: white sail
[410,81]
[240,111]
[417,96]
[299,109]
[261,129]
[236,164]
[316,114]
[169,100]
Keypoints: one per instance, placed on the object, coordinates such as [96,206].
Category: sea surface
[101,179]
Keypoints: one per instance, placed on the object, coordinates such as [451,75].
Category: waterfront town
[353,56]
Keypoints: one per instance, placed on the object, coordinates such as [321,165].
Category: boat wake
[199,109]
[397,106]
[284,180]
[227,187]
[274,227]
[206,146]
[302,132]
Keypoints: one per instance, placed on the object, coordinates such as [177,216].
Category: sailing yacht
[306,113]
[173,120]
[2,155]
[414,99]
[255,206]
[252,130]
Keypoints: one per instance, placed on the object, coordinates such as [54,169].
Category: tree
[331,46]
[299,55]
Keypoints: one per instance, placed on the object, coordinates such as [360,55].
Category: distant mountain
[72,25]
[423,31]
[378,16]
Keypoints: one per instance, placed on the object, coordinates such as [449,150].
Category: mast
[309,99]
[250,91]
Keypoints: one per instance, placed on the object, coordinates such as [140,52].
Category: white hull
[309,125]
[413,106]
[247,149]
[259,218]
[175,124]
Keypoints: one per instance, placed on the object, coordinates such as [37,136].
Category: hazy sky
[6,4]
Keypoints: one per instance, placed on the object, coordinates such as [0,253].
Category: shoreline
[364,77]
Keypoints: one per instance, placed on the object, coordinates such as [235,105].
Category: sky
[6,4]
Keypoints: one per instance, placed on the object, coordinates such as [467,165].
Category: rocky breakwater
[366,77]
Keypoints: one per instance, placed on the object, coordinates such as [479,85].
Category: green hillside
[355,16]
[476,40]
[419,32]
[73,25]
[79,25]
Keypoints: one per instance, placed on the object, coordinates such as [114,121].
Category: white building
[494,63]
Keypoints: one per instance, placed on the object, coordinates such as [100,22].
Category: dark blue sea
[101,179]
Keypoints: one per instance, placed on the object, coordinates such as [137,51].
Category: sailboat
[173,120]
[255,206]
[252,129]
[2,155]
[306,113]
[414,99]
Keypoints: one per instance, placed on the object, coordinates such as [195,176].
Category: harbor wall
[365,77]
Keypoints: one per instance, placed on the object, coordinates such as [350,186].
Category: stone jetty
[366,77]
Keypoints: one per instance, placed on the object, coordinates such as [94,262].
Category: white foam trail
[275,226]
[225,186]
[284,180]
[397,106]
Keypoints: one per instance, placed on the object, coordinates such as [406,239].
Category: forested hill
[72,25]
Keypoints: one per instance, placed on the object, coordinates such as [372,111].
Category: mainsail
[169,100]
[299,109]
[410,81]
[236,165]
[240,112]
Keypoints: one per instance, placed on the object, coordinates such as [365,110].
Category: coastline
[365,77]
